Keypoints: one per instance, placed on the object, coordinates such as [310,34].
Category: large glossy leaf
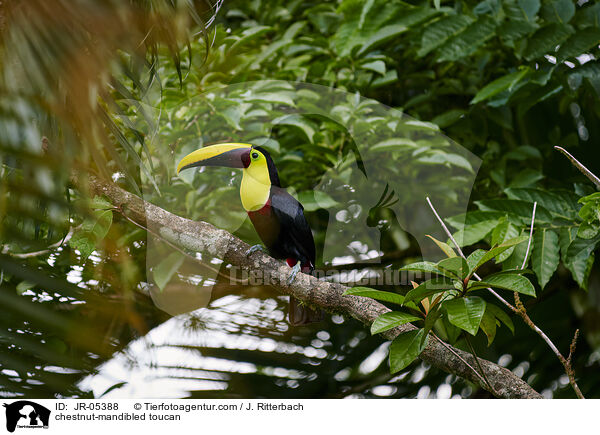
[502,233]
[483,258]
[505,281]
[465,313]
[405,349]
[545,254]
[391,320]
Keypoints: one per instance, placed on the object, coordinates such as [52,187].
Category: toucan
[276,215]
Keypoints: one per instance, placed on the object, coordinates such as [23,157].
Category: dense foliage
[506,80]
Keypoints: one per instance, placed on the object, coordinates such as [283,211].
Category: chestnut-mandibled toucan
[276,215]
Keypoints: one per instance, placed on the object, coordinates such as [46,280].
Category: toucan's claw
[255,248]
[295,271]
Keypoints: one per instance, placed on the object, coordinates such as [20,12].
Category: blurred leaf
[499,85]
[165,270]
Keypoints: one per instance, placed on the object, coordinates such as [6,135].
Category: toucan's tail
[299,314]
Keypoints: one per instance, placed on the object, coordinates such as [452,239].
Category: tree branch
[203,237]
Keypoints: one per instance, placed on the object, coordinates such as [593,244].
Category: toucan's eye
[254,156]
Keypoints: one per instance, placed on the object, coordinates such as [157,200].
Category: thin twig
[530,236]
[573,346]
[520,309]
[447,346]
[585,171]
[449,234]
[58,244]
[478,364]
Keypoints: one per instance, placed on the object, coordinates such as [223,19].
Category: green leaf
[164,271]
[384,34]
[456,266]
[587,230]
[551,201]
[23,286]
[501,315]
[406,348]
[428,288]
[474,258]
[504,83]
[92,231]
[434,313]
[560,11]
[465,313]
[530,8]
[313,200]
[474,233]
[495,251]
[580,259]
[469,40]
[488,325]
[100,202]
[297,121]
[422,266]
[443,246]
[545,40]
[379,295]
[515,260]
[391,320]
[474,217]
[505,281]
[579,43]
[440,31]
[377,66]
[522,209]
[545,254]
[394,144]
[502,233]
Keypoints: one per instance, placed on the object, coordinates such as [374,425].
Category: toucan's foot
[255,248]
[295,271]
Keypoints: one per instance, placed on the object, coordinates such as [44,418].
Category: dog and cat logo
[25,414]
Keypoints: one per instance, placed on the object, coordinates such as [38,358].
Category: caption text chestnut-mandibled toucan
[276,215]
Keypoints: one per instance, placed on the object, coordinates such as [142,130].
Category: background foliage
[507,80]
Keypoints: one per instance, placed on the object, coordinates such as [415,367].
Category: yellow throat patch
[256,183]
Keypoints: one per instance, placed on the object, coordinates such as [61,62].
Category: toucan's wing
[293,224]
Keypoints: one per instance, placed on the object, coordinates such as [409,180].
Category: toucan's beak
[230,155]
